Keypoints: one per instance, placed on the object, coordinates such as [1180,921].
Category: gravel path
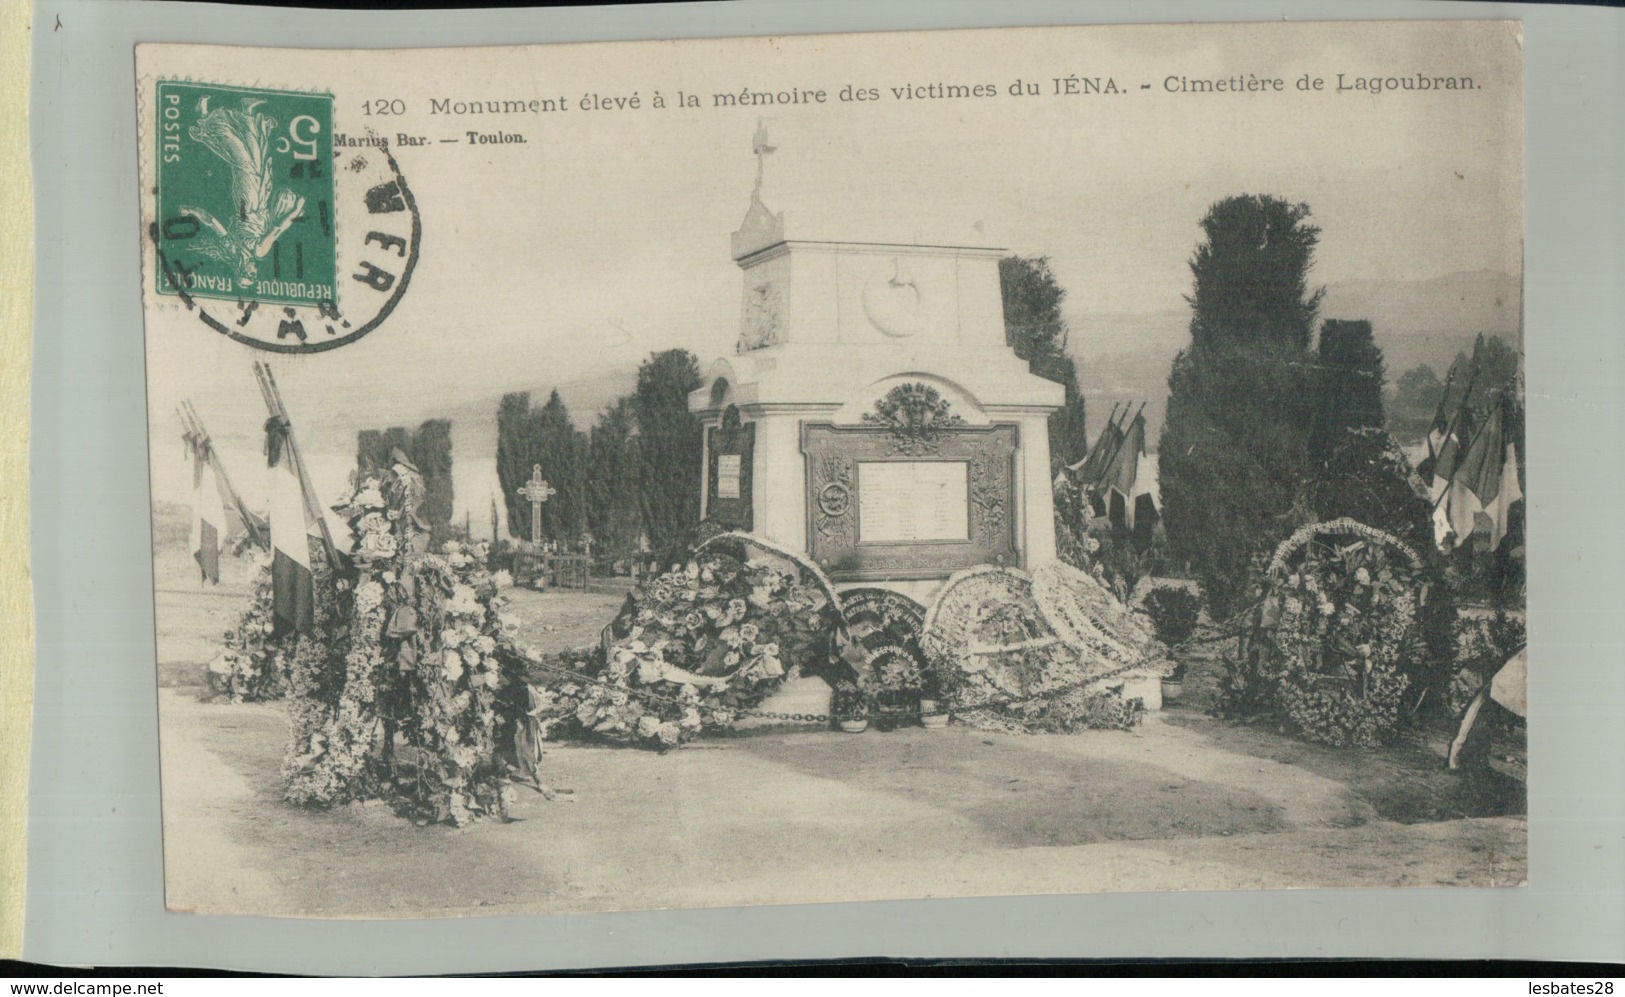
[1185,802]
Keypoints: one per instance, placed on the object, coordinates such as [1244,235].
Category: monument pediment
[760,229]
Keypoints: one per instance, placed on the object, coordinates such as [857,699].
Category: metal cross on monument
[537,490]
[761,147]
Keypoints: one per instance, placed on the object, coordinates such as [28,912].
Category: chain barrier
[823,718]
[1222,630]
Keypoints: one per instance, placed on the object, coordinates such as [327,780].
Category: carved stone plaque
[878,509]
[730,450]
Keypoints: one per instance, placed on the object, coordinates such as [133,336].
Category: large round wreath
[1111,637]
[990,645]
[1337,626]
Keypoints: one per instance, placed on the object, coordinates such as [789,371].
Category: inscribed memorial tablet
[728,465]
[913,501]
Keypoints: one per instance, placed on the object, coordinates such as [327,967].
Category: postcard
[778,470]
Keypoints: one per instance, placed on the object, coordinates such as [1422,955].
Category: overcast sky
[605,235]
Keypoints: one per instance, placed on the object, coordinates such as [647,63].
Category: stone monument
[872,414]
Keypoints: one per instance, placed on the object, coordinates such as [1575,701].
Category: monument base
[808,695]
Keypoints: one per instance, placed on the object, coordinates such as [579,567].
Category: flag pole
[256,530]
[1130,424]
[273,400]
[1109,447]
[1089,459]
[1477,433]
[1455,421]
[1438,410]
[1122,434]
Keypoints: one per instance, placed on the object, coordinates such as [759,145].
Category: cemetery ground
[1183,802]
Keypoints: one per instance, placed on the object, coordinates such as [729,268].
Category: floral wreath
[1345,526]
[774,547]
[1090,620]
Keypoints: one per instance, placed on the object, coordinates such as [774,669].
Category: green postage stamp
[245,194]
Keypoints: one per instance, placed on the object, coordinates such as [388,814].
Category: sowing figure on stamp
[242,139]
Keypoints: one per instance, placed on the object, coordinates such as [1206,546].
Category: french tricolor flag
[208,511]
[292,531]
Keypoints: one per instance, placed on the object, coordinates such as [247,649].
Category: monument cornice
[785,246]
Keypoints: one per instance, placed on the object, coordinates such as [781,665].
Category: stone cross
[537,490]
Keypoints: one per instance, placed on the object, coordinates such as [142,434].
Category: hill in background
[1124,358]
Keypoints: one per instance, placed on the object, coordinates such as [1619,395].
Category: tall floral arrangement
[414,654]
[322,764]
[449,636]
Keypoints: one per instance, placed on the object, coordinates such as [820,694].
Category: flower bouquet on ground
[934,711]
[895,686]
[691,649]
[255,665]
[850,707]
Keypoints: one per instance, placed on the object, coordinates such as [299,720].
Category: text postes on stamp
[312,245]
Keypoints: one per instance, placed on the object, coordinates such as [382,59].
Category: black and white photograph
[705,473]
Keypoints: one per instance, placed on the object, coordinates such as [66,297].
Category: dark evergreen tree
[1252,274]
[1234,455]
[1233,460]
[516,452]
[1350,378]
[431,452]
[1034,327]
[527,437]
[374,446]
[561,450]
[614,514]
[670,446]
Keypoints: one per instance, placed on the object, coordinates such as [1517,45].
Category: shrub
[1173,612]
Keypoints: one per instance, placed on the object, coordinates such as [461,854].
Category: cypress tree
[670,446]
[560,449]
[1252,274]
[614,514]
[431,452]
[516,452]
[1349,384]
[1234,454]
[1036,330]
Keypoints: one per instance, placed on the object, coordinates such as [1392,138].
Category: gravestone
[872,414]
